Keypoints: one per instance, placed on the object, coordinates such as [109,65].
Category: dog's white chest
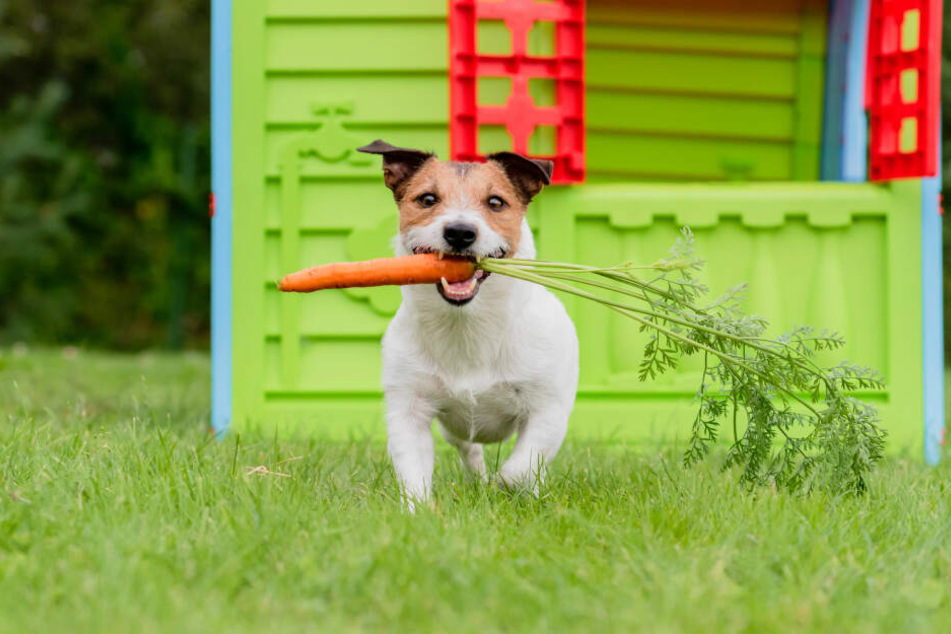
[484,416]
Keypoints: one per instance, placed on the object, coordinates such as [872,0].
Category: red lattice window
[519,115]
[903,88]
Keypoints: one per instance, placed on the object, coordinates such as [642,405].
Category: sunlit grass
[118,512]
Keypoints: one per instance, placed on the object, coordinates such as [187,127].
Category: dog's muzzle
[461,293]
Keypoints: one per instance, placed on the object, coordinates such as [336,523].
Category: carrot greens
[792,423]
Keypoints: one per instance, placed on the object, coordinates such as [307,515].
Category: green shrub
[104,172]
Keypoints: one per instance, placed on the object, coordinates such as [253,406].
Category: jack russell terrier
[487,358]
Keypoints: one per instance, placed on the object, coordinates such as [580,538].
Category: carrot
[425,268]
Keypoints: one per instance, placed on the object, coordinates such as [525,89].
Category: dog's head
[474,210]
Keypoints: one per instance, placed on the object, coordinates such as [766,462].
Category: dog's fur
[505,360]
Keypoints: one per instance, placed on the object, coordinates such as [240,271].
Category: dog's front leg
[537,443]
[410,444]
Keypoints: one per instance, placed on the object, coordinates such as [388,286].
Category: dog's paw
[413,503]
[413,506]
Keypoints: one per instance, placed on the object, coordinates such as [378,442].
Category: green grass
[119,513]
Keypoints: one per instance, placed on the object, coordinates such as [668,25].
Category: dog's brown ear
[399,163]
[528,175]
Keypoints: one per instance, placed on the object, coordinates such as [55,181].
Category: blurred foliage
[104,172]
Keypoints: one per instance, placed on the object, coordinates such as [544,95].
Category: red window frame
[519,115]
[903,88]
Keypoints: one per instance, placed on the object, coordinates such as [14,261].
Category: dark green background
[104,172]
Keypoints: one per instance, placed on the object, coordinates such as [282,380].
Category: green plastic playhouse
[760,128]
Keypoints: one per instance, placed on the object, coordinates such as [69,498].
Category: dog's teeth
[445,284]
[441,254]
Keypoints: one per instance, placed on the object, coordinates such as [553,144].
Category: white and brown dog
[486,357]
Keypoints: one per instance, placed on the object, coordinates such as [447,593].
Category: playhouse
[797,138]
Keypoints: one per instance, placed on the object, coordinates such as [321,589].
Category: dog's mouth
[461,293]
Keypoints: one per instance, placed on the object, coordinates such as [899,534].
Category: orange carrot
[425,268]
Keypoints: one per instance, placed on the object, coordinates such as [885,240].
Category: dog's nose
[460,235]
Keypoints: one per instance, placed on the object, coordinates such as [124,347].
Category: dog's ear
[528,175]
[399,163]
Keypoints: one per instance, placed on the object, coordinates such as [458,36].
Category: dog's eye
[427,200]
[495,203]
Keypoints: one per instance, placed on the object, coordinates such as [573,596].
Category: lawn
[118,512]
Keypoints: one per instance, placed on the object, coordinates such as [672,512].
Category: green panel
[248,220]
[340,364]
[693,115]
[677,72]
[736,16]
[304,9]
[419,99]
[327,166]
[320,198]
[689,90]
[334,313]
[650,157]
[684,39]
[316,46]
[809,91]
[818,267]
[313,81]
[821,254]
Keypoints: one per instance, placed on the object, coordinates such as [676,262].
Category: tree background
[105,172]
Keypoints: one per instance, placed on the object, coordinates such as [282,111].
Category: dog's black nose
[460,235]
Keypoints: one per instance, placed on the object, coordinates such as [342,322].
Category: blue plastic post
[933,310]
[221,218]
[845,130]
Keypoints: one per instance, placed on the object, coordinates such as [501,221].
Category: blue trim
[845,125]
[833,104]
[222,221]
[933,326]
[854,162]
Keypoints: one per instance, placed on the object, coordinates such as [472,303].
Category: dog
[488,357]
